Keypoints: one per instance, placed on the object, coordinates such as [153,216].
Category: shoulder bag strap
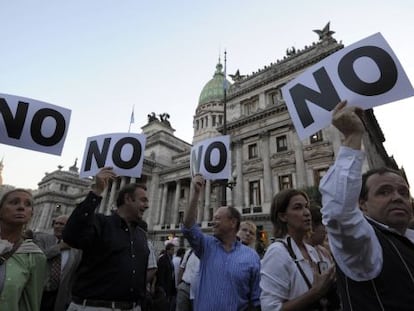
[186,258]
[3,259]
[289,248]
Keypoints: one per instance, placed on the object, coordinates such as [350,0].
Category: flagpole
[224,187]
[132,119]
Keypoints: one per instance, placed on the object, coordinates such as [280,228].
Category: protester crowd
[354,253]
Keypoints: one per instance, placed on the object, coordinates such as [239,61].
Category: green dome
[214,90]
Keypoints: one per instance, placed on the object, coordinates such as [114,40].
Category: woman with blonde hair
[292,276]
[22,263]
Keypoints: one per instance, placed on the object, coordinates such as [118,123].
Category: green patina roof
[214,90]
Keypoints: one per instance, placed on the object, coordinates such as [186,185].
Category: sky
[101,58]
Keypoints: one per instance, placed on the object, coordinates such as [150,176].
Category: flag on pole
[132,120]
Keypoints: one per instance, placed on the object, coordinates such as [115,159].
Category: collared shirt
[228,280]
[352,239]
[281,279]
[115,257]
[25,278]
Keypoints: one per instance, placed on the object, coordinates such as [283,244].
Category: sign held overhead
[211,158]
[33,124]
[122,151]
[366,74]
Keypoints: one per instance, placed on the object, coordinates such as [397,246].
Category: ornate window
[281,143]
[63,188]
[276,97]
[254,193]
[285,182]
[253,151]
[317,137]
[250,106]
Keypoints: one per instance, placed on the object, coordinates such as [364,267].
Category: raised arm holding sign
[366,217]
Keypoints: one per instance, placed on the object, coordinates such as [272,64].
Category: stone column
[164,203]
[176,202]
[262,100]
[300,162]
[153,197]
[111,196]
[104,200]
[123,182]
[267,170]
[46,211]
[207,192]
[239,189]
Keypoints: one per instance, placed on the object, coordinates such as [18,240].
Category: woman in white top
[290,279]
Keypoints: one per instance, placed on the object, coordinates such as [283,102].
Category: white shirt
[176,263]
[191,264]
[352,239]
[281,279]
[152,259]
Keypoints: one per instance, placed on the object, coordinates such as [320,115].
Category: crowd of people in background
[354,252]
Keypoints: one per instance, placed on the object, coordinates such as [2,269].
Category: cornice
[283,68]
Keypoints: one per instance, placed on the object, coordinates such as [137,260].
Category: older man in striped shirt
[229,271]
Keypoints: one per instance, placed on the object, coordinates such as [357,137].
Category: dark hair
[180,252]
[5,195]
[363,195]
[128,190]
[234,213]
[169,246]
[316,216]
[279,205]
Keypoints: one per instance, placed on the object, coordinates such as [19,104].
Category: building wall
[58,194]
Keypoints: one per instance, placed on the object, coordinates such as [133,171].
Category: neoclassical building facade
[267,154]
[57,194]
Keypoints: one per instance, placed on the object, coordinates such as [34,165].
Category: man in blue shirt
[229,271]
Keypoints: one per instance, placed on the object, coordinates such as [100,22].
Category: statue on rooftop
[325,33]
[237,76]
[291,51]
[164,118]
[152,117]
